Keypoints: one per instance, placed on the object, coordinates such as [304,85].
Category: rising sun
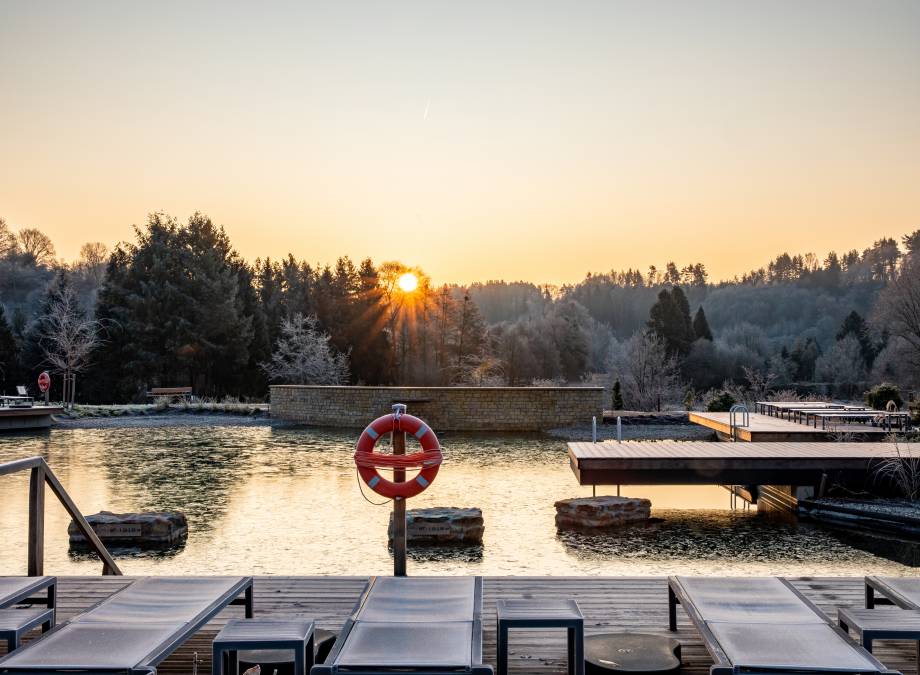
[408,282]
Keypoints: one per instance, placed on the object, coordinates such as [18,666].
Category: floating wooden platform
[36,417]
[610,604]
[713,463]
[768,428]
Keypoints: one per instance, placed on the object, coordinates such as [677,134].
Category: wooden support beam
[36,566]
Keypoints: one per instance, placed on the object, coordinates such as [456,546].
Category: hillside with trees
[178,306]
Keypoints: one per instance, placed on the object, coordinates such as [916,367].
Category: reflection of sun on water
[408,282]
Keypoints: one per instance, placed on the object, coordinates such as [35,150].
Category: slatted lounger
[764,625]
[420,625]
[134,629]
[901,591]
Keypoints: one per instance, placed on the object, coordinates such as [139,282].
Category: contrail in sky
[427,105]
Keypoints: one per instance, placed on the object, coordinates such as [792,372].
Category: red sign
[44,382]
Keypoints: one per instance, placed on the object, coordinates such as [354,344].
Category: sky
[477,140]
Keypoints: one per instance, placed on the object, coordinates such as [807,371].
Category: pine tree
[617,396]
[701,326]
[856,326]
[669,319]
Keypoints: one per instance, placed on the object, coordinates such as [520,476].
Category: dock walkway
[712,463]
[610,604]
[770,428]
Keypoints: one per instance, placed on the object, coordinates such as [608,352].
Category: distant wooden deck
[610,604]
[774,429]
[36,417]
[712,463]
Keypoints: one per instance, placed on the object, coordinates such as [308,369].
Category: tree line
[179,306]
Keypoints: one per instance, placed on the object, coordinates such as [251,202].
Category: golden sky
[478,140]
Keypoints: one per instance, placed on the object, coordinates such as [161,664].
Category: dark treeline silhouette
[178,306]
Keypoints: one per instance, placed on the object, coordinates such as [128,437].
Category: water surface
[265,499]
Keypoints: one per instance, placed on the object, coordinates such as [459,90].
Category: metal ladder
[733,413]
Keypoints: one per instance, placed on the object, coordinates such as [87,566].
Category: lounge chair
[765,625]
[420,625]
[134,629]
[15,622]
[17,590]
[901,591]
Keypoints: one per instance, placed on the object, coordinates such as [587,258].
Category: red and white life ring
[428,461]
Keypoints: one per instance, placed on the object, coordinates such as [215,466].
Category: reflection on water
[263,499]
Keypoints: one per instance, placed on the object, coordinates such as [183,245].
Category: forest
[178,306]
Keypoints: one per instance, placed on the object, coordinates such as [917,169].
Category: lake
[270,499]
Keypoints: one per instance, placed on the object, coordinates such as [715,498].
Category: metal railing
[733,413]
[40,476]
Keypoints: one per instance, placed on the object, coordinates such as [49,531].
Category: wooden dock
[767,428]
[21,419]
[610,604]
[712,463]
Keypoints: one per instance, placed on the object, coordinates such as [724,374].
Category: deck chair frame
[477,666]
[723,664]
[240,593]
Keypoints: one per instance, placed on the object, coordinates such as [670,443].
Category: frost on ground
[163,420]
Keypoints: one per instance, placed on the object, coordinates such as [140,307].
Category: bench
[170,393]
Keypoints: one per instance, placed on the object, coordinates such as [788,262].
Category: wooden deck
[36,417]
[767,428]
[609,604]
[712,463]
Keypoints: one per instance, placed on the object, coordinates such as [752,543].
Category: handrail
[732,417]
[42,475]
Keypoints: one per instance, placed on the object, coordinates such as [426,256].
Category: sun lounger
[134,629]
[901,591]
[420,625]
[765,625]
[17,590]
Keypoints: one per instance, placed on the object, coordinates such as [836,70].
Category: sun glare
[408,282]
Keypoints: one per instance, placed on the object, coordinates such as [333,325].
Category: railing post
[398,441]
[37,521]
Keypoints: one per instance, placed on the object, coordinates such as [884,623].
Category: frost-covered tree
[67,336]
[842,366]
[648,374]
[303,355]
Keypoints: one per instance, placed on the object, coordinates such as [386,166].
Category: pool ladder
[739,409]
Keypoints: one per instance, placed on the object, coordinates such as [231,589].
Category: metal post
[37,522]
[594,429]
[398,439]
[619,429]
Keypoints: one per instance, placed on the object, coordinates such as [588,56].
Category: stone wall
[444,408]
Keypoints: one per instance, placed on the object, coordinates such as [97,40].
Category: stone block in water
[601,512]
[133,529]
[443,525]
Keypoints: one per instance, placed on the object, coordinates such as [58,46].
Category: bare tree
[68,339]
[8,242]
[303,355]
[94,257]
[649,376]
[760,383]
[37,245]
[898,308]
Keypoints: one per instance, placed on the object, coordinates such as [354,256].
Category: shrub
[720,401]
[879,396]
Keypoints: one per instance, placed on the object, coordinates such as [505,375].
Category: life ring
[428,461]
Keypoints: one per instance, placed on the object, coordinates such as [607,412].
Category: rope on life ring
[428,461]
